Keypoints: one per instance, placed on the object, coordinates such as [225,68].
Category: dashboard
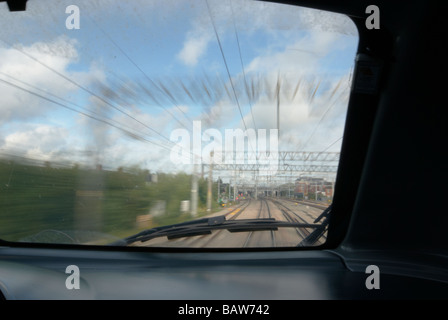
[280,275]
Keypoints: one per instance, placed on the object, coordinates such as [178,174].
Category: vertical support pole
[194,191]
[210,183]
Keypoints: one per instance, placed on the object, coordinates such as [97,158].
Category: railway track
[308,203]
[250,209]
[247,239]
[293,216]
[205,240]
[255,238]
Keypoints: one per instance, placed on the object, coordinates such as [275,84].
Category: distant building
[306,186]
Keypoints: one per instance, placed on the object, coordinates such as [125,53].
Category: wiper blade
[207,225]
[318,233]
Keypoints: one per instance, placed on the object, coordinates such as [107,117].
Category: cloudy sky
[118,89]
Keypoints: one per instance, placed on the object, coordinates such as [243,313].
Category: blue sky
[163,69]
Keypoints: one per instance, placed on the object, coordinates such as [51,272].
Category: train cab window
[181,124]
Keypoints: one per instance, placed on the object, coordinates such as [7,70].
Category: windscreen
[200,123]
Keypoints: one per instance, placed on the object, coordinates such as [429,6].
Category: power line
[53,95]
[158,86]
[242,64]
[163,89]
[331,144]
[83,113]
[85,89]
[225,63]
[323,115]
[228,71]
[128,131]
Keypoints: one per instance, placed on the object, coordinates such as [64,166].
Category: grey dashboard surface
[30,273]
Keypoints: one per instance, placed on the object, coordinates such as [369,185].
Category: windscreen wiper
[207,225]
[319,231]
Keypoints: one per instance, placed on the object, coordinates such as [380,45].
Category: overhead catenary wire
[61,99]
[160,87]
[131,132]
[85,89]
[225,64]
[330,106]
[228,72]
[95,116]
[242,65]
[84,114]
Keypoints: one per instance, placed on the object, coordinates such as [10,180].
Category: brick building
[306,187]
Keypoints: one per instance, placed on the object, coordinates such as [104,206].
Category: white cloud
[193,49]
[37,142]
[39,75]
[32,126]
[292,56]
[309,117]
[251,17]
[303,57]
[309,37]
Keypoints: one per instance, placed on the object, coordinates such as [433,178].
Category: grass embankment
[36,198]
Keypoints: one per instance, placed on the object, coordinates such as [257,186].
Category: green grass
[36,198]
